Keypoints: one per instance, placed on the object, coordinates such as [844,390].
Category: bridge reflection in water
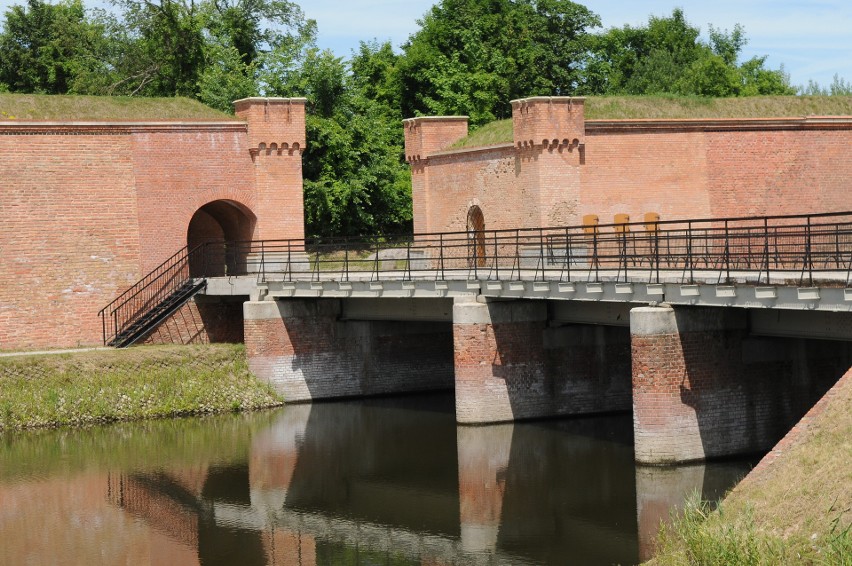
[395,481]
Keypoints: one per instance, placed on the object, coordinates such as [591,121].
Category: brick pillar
[424,136]
[483,460]
[276,132]
[500,363]
[297,346]
[689,401]
[549,133]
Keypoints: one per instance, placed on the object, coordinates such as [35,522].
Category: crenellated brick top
[548,121]
[428,134]
[274,123]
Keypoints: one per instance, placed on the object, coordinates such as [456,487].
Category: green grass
[679,107]
[14,107]
[136,383]
[796,511]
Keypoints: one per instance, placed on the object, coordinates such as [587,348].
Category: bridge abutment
[704,388]
[306,352]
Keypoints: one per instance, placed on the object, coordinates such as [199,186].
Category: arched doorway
[226,223]
[476,237]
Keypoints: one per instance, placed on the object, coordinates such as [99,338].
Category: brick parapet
[548,121]
[427,135]
[274,124]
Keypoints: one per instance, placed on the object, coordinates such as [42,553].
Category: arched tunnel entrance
[222,224]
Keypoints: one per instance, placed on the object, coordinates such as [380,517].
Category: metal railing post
[689,251]
[727,253]
[441,254]
[657,252]
[496,258]
[407,275]
[809,254]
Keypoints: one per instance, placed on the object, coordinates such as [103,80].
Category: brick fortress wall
[560,167]
[86,209]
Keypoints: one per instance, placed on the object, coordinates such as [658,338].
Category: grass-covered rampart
[70,108]
[668,107]
[794,508]
[135,383]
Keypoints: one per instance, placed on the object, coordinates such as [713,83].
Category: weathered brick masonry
[87,208]
[510,364]
[702,388]
[303,349]
[560,167]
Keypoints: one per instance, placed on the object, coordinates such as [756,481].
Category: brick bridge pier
[702,382]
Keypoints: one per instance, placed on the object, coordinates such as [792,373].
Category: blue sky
[812,39]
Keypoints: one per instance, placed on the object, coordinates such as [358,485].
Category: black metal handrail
[731,249]
[149,291]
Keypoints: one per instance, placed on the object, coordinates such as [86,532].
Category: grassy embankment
[108,108]
[679,107]
[795,510]
[136,383]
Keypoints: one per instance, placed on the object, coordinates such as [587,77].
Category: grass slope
[796,510]
[14,107]
[136,383]
[672,107]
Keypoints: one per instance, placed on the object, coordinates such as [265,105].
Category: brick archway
[224,222]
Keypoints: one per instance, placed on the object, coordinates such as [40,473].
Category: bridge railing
[797,248]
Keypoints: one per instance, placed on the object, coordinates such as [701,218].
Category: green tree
[474,56]
[355,181]
[668,56]
[45,48]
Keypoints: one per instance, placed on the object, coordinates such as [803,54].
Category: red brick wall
[69,239]
[635,173]
[201,321]
[779,172]
[87,209]
[177,172]
[560,168]
[502,185]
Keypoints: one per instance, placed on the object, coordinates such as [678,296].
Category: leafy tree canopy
[473,57]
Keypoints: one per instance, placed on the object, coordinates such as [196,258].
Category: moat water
[391,481]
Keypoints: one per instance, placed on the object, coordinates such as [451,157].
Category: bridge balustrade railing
[736,249]
[730,249]
[793,249]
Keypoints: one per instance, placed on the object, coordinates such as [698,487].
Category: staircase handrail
[165,271]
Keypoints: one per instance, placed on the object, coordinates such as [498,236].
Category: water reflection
[390,481]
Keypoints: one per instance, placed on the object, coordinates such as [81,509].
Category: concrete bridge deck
[783,290]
